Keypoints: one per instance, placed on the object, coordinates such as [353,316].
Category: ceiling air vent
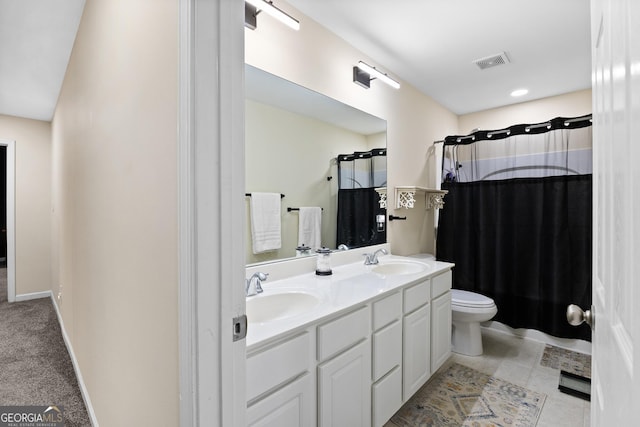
[492,61]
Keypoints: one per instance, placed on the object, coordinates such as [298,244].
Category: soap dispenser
[323,262]
[303,250]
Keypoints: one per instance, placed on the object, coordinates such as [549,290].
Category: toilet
[468,309]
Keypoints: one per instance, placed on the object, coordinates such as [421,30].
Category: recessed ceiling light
[520,92]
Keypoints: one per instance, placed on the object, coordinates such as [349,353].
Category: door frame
[211,212]
[11,218]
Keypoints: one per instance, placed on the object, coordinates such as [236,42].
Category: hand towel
[265,222]
[310,226]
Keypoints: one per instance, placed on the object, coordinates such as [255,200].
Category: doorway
[7,221]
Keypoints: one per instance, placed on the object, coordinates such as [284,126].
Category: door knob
[575,316]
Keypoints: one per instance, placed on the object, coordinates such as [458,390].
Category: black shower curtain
[359,174]
[357,210]
[525,242]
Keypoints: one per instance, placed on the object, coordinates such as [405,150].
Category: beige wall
[317,59]
[572,104]
[33,201]
[115,209]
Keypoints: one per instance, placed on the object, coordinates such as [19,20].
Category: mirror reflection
[323,159]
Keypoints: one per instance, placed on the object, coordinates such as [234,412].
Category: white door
[616,225]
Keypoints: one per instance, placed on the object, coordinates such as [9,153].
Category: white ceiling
[428,43]
[431,45]
[36,37]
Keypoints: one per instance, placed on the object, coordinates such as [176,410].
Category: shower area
[361,220]
[517,220]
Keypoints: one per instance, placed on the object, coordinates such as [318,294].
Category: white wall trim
[33,295]
[581,346]
[211,212]
[11,218]
[186,299]
[74,362]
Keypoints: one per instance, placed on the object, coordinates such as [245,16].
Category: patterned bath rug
[461,396]
[566,360]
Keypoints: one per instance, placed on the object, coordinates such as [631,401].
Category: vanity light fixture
[364,73]
[256,6]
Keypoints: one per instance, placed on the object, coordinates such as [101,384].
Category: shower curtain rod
[522,129]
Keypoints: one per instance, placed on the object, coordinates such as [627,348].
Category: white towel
[265,222]
[310,227]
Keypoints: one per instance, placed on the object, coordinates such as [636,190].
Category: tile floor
[517,360]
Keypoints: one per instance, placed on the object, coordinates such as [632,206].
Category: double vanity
[346,349]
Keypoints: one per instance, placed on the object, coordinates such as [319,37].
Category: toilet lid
[470,299]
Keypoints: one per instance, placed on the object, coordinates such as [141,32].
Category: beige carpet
[35,367]
[461,396]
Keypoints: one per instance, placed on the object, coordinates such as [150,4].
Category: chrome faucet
[254,286]
[372,259]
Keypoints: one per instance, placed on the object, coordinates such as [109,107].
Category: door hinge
[239,327]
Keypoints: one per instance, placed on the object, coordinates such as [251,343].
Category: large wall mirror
[296,140]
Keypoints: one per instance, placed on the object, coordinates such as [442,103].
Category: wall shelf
[406,197]
[382,192]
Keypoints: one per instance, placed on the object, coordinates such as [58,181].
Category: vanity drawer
[342,333]
[416,296]
[386,310]
[440,284]
[277,364]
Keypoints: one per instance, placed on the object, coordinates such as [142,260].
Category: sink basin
[267,307]
[389,268]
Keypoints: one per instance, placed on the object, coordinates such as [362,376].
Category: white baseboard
[34,295]
[581,346]
[76,368]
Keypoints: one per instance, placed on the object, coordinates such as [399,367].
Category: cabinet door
[386,397]
[291,406]
[387,349]
[440,330]
[344,388]
[416,350]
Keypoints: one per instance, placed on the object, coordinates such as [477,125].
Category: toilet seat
[468,299]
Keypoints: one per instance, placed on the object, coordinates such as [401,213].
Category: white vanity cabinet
[356,365]
[416,343]
[344,372]
[440,319]
[386,391]
[280,383]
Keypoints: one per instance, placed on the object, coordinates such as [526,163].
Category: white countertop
[350,285]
